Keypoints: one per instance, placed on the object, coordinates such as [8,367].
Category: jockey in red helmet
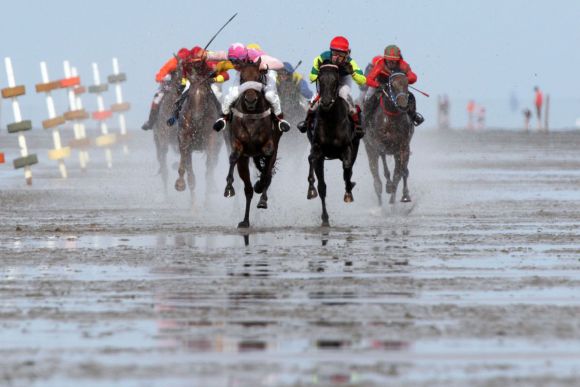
[339,54]
[392,61]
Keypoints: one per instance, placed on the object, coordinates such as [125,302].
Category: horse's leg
[162,146]
[266,179]
[312,158]
[347,158]
[319,169]
[183,150]
[244,172]
[396,177]
[212,154]
[406,152]
[190,175]
[234,156]
[389,186]
[374,166]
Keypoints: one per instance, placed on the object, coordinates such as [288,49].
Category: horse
[163,134]
[332,137]
[389,132]
[195,128]
[252,135]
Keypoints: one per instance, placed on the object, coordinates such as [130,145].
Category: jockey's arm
[357,74]
[304,89]
[314,70]
[167,68]
[411,76]
[372,77]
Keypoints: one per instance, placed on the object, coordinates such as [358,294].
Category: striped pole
[77,115]
[105,140]
[59,153]
[119,107]
[19,126]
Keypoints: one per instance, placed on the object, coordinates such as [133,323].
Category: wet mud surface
[105,281]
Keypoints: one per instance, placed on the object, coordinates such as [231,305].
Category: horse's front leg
[183,154]
[319,169]
[396,177]
[190,175]
[347,161]
[234,157]
[266,180]
[244,172]
[389,185]
[312,160]
[405,154]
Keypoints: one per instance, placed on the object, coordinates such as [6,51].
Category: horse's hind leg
[266,180]
[396,178]
[319,169]
[244,172]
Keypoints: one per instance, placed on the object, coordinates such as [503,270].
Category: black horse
[389,132]
[332,137]
[252,135]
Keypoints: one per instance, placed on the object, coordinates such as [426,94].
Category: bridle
[335,92]
[392,97]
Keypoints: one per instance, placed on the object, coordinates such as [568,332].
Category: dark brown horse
[252,135]
[200,110]
[331,138]
[163,134]
[389,132]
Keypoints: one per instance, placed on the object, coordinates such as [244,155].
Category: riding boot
[359,130]
[415,117]
[303,126]
[153,114]
[283,125]
[221,122]
[177,110]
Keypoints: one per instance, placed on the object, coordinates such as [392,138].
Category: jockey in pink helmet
[238,53]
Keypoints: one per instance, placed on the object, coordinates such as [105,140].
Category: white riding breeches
[344,84]
[270,92]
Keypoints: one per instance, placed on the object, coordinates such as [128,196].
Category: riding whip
[297,65]
[422,92]
[220,30]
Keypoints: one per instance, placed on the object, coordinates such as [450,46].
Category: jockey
[162,77]
[288,73]
[339,54]
[237,54]
[196,56]
[393,61]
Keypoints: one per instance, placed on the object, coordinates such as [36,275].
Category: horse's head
[398,90]
[328,78]
[251,76]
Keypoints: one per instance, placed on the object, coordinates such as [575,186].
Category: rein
[254,116]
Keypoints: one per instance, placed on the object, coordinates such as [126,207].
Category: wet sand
[104,281]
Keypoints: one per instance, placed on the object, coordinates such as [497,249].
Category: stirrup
[418,119]
[283,125]
[302,126]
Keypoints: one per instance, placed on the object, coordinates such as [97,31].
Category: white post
[52,114]
[72,103]
[101,107]
[18,118]
[79,105]
[119,99]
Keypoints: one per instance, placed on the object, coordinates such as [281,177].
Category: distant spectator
[538,102]
[481,118]
[527,117]
[470,112]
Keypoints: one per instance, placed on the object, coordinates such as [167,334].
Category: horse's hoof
[325,223]
[392,200]
[229,192]
[244,224]
[390,188]
[258,188]
[311,193]
[348,197]
[180,185]
[406,199]
[263,204]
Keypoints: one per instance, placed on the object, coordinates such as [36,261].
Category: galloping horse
[252,134]
[332,137]
[163,134]
[389,132]
[195,127]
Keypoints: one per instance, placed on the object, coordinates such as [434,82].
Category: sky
[481,50]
